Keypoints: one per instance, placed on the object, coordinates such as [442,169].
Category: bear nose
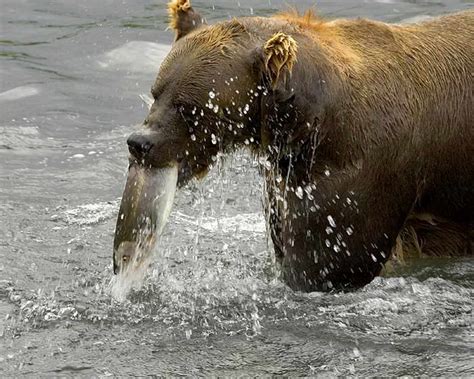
[139,145]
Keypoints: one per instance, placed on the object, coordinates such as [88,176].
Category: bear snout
[139,145]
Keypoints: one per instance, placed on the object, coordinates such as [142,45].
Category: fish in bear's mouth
[144,210]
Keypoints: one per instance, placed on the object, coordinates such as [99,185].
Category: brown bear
[367,129]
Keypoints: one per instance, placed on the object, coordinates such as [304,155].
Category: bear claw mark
[280,56]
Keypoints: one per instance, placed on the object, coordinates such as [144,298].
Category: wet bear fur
[367,129]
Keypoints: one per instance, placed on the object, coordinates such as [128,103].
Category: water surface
[71,75]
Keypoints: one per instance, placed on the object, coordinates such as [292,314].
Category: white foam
[132,278]
[18,93]
[135,56]
[89,214]
[19,130]
[245,222]
[416,19]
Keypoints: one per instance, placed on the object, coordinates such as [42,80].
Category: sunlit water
[212,303]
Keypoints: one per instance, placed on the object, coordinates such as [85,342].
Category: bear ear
[183,18]
[279,56]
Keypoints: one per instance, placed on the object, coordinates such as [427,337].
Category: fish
[144,210]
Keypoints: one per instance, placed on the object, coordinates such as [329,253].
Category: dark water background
[71,75]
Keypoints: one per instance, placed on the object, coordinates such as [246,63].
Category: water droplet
[356,352]
[189,333]
[331,221]
[299,192]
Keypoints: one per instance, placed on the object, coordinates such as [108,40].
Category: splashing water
[207,306]
[146,204]
[132,277]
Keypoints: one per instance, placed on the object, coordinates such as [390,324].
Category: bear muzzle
[140,144]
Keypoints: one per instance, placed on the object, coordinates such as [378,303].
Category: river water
[71,76]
